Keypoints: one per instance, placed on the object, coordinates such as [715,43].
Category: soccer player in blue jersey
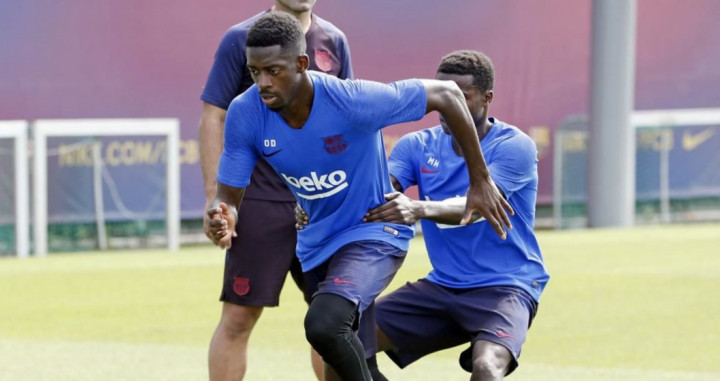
[322,136]
[481,289]
[257,265]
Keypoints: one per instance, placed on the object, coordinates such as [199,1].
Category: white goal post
[17,130]
[42,129]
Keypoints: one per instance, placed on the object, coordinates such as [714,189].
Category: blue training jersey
[334,165]
[473,255]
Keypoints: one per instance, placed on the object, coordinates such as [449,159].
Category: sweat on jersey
[328,50]
[335,164]
[474,255]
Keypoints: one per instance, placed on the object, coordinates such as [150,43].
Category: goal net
[105,183]
[677,161]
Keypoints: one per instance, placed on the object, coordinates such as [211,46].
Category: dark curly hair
[277,28]
[472,62]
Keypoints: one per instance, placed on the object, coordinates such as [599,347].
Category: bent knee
[239,320]
[320,330]
[491,360]
[328,320]
[489,368]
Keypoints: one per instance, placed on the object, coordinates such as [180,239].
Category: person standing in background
[256,268]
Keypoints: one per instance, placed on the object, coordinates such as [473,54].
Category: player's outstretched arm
[222,214]
[401,209]
[483,196]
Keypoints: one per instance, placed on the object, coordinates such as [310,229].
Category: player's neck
[298,111]
[482,130]
[304,17]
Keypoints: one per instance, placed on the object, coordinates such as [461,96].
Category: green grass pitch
[635,304]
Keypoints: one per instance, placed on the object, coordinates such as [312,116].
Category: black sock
[329,329]
[374,370]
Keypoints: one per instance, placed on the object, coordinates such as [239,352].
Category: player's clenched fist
[222,219]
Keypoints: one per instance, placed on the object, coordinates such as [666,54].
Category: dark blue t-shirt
[328,50]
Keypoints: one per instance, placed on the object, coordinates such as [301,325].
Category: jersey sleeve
[371,106]
[514,164]
[226,75]
[346,70]
[240,149]
[401,163]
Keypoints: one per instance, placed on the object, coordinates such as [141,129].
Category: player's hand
[301,218]
[485,198]
[221,223]
[399,209]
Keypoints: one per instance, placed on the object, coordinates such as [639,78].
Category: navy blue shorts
[422,317]
[359,272]
[262,254]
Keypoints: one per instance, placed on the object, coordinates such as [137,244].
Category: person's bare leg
[383,344]
[491,361]
[330,374]
[227,357]
[317,364]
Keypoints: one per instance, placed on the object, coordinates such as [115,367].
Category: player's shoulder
[335,89]
[340,94]
[425,137]
[328,83]
[329,28]
[239,30]
[512,138]
[506,131]
[247,102]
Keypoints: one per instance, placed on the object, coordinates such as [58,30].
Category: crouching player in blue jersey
[481,290]
[322,136]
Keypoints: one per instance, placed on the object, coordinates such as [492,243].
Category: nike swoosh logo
[424,169]
[323,195]
[268,154]
[340,281]
[690,142]
[500,333]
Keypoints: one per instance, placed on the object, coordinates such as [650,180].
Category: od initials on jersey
[269,148]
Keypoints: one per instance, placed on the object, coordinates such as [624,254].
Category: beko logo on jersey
[331,184]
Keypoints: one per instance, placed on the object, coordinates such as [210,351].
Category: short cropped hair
[277,28]
[472,62]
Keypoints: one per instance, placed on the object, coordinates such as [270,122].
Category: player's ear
[303,62]
[488,97]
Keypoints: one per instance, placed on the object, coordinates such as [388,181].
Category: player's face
[276,74]
[476,100]
[295,6]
